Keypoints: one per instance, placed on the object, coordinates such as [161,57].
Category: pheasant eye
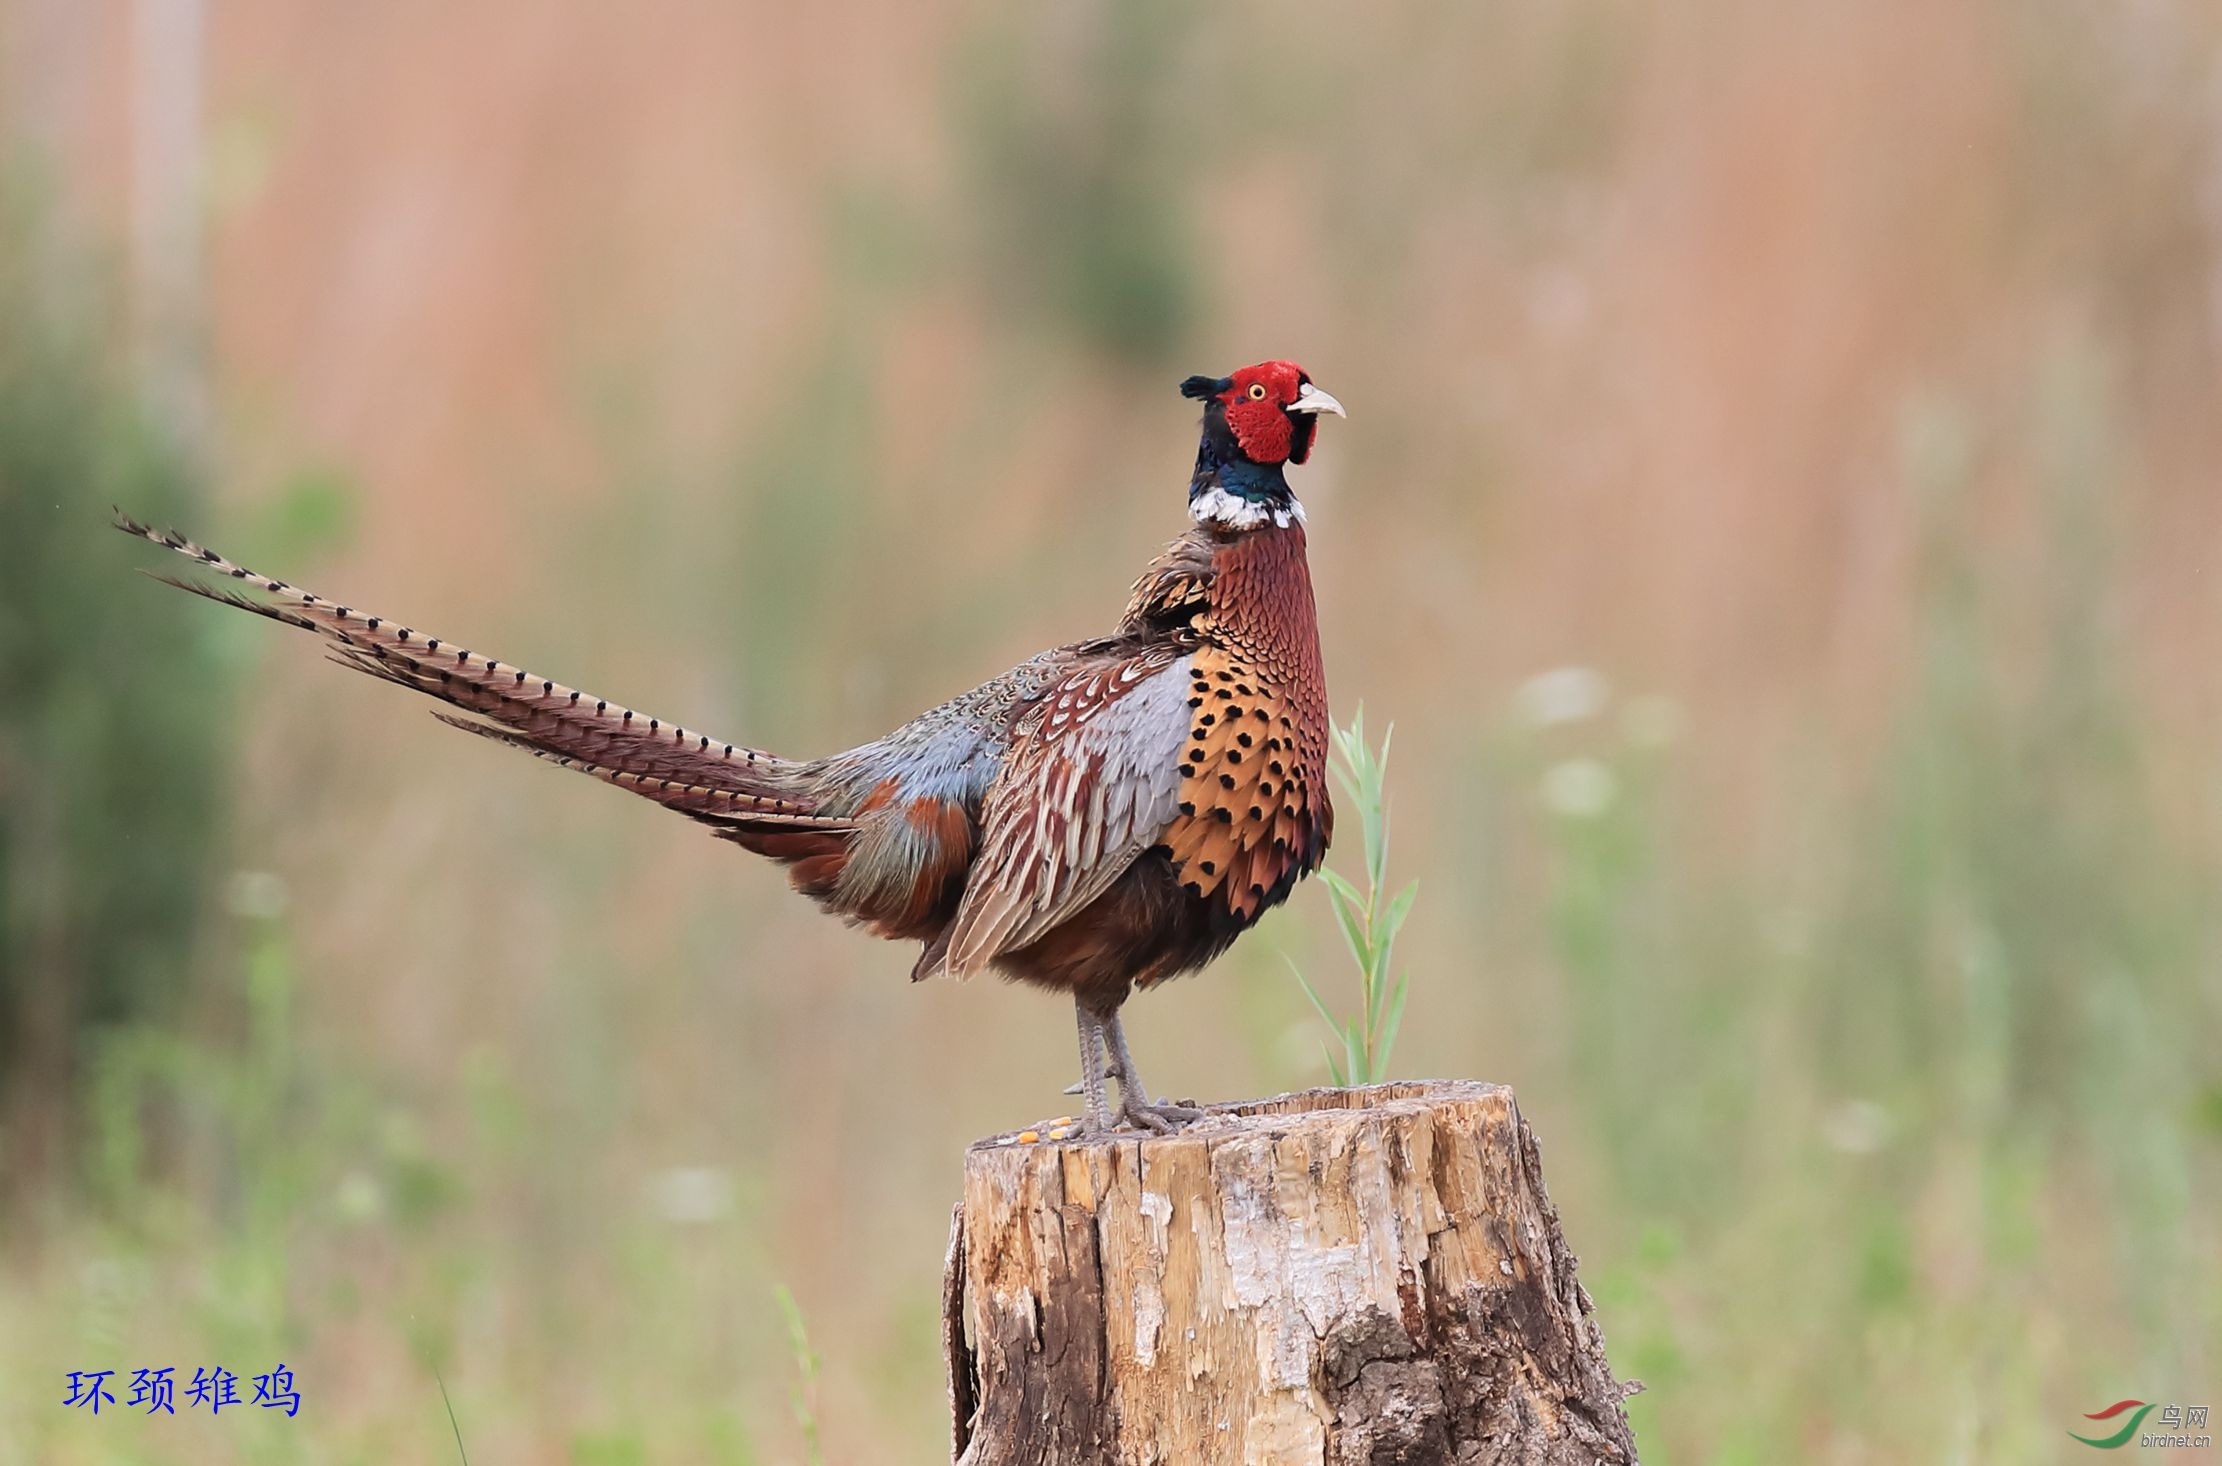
[1257,391]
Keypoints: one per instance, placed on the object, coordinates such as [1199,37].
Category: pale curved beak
[1311,399]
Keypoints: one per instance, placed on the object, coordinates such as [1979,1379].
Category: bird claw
[1128,1119]
[1155,1118]
[1103,1055]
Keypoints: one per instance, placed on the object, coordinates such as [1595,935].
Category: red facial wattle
[1257,413]
[1262,429]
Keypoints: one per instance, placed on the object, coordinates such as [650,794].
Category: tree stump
[1337,1276]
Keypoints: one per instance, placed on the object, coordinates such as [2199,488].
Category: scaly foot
[1157,1119]
[1135,1105]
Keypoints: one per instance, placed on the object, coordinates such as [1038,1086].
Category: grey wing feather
[950,752]
[1092,780]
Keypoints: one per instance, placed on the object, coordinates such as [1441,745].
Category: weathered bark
[1333,1277]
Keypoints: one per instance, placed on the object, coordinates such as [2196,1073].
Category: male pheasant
[1097,819]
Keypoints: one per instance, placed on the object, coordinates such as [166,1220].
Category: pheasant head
[1256,421]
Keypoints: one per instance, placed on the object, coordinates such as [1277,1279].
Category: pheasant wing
[1091,781]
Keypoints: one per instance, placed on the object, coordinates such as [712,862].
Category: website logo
[2173,1428]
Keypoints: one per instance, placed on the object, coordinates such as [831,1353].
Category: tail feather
[224,597]
[732,809]
[575,728]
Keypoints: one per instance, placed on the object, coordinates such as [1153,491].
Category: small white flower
[1580,788]
[259,894]
[1562,695]
[1787,934]
[1559,301]
[358,1198]
[1857,1127]
[692,1194]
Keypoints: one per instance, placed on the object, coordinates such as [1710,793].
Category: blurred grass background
[1780,513]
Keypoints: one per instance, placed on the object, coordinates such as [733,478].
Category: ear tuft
[1202,388]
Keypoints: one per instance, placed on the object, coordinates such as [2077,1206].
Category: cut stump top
[1334,1275]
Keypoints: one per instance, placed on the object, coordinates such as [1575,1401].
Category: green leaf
[1319,1004]
[1347,906]
[1392,920]
[1389,1026]
[1342,888]
[1370,920]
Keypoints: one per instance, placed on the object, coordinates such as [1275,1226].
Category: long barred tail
[719,783]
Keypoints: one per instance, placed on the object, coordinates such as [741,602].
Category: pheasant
[1095,820]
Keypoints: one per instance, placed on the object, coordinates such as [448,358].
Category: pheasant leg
[1135,1105]
[1097,1116]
